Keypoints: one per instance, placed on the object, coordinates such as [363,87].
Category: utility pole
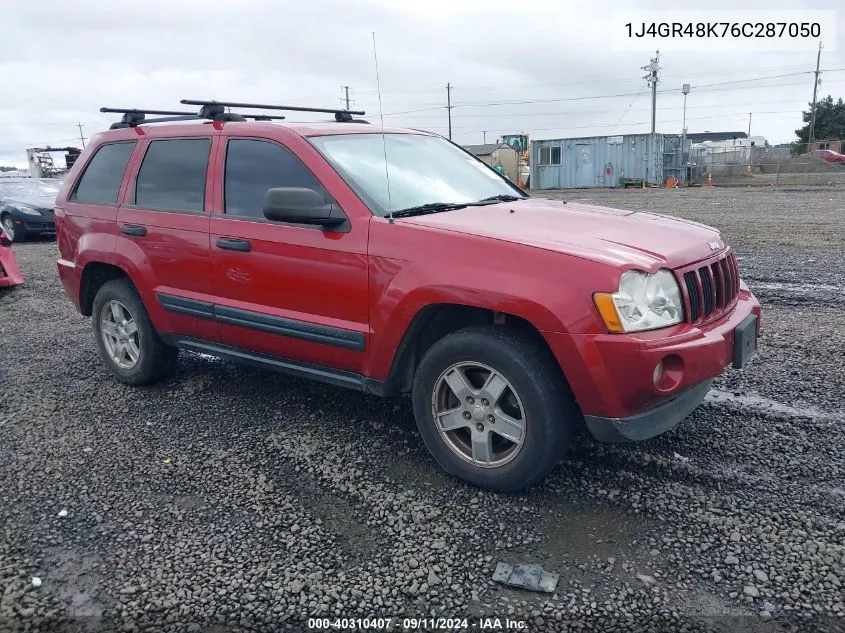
[749,125]
[685,90]
[81,138]
[815,91]
[484,132]
[652,68]
[346,90]
[449,107]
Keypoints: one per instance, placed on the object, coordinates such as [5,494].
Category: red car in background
[829,155]
[10,274]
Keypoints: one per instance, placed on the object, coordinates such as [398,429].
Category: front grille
[711,289]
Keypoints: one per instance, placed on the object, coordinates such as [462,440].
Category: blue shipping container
[596,161]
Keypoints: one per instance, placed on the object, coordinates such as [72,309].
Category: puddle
[767,405]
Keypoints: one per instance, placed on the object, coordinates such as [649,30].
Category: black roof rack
[216,111]
[134,116]
[342,116]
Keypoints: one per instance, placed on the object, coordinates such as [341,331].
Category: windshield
[423,170]
[30,188]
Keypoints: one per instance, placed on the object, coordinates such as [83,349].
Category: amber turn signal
[607,311]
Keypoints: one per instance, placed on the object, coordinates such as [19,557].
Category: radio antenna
[383,139]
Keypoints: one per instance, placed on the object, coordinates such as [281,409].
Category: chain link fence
[740,162]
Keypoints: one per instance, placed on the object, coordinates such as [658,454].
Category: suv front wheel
[493,408]
[128,343]
[17,235]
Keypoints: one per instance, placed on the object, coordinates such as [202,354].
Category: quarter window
[100,183]
[172,176]
[253,167]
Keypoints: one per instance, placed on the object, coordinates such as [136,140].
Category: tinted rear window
[100,183]
[172,176]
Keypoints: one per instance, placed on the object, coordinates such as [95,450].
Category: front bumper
[648,424]
[40,228]
[613,375]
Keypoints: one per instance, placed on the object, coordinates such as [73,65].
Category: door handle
[232,244]
[133,230]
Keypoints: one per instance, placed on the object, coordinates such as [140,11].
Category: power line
[713,87]
[466,130]
[471,88]
[613,111]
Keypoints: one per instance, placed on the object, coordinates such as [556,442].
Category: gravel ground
[234,499]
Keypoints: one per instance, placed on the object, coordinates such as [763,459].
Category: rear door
[291,291]
[163,230]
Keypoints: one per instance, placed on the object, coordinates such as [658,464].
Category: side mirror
[300,205]
[5,240]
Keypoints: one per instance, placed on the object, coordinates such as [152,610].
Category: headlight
[643,302]
[28,210]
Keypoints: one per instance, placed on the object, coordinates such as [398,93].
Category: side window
[172,176]
[253,167]
[100,182]
[555,156]
[545,156]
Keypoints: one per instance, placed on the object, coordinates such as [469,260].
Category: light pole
[685,90]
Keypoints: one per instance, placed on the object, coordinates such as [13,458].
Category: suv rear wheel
[493,408]
[128,343]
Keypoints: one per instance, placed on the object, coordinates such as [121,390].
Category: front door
[164,231]
[290,291]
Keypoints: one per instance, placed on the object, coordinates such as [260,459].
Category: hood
[614,236]
[43,203]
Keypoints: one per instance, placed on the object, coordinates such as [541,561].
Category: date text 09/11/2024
[416,624]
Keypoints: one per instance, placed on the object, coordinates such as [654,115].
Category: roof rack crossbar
[137,111]
[261,106]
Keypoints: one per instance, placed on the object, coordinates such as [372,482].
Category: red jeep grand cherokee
[509,319]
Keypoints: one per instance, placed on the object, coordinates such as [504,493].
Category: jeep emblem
[715,246]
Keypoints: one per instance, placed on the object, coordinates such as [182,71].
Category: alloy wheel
[9,225]
[478,414]
[120,334]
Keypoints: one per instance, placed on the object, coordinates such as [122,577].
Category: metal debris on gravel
[525,576]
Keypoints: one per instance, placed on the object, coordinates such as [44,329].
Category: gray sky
[60,61]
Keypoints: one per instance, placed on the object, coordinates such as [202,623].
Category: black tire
[548,407]
[156,361]
[17,235]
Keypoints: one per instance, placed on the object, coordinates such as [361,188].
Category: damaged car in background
[26,207]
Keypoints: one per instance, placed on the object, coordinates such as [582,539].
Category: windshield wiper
[436,207]
[502,197]
[431,207]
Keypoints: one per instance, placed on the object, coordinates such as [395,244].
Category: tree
[830,121]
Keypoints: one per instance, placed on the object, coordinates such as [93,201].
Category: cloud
[60,61]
